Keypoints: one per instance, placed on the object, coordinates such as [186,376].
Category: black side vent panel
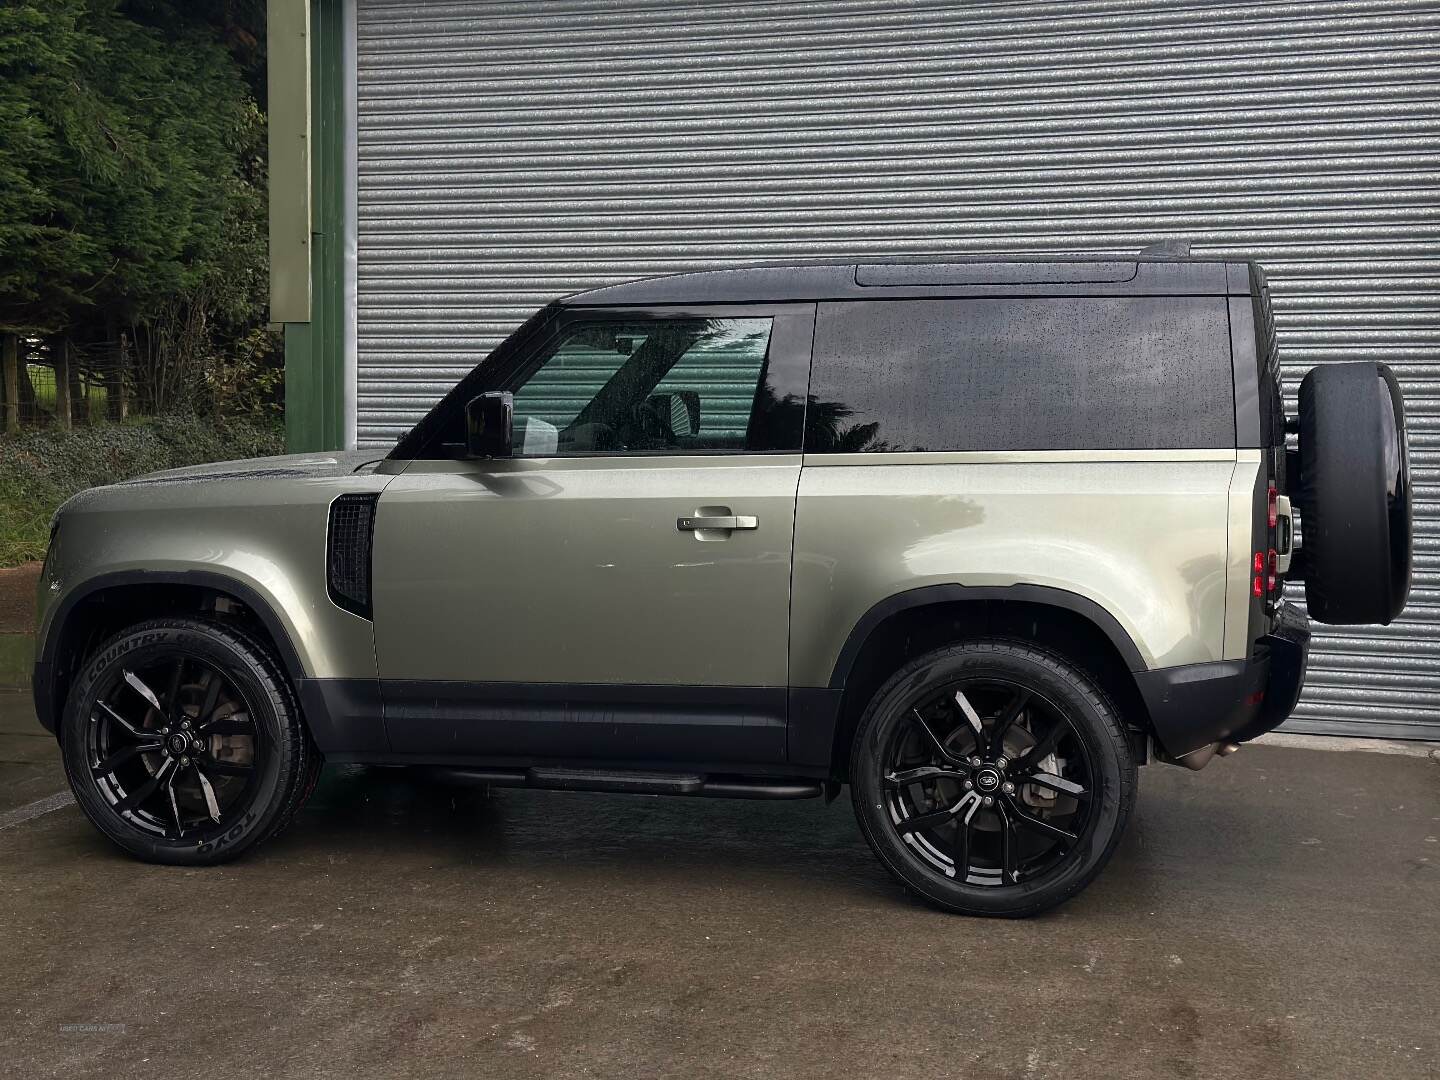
[347,552]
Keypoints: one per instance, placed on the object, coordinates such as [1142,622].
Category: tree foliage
[132,177]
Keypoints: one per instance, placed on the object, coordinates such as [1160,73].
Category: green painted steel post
[307,186]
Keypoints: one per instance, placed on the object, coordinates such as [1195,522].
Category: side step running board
[634,783]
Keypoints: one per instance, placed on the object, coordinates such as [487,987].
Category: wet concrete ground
[1273,916]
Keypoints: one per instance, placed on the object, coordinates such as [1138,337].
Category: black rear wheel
[182,742]
[992,778]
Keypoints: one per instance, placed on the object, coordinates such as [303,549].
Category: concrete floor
[1274,916]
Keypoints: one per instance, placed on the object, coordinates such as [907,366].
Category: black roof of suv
[1054,275]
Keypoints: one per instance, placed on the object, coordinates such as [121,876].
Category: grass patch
[40,470]
[42,381]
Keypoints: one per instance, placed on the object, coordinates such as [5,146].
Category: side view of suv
[974,538]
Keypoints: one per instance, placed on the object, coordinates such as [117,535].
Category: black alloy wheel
[992,778]
[175,762]
[987,803]
[183,744]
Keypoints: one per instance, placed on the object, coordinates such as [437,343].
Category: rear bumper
[1233,700]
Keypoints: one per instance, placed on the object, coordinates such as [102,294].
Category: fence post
[79,406]
[11,362]
[64,410]
[116,407]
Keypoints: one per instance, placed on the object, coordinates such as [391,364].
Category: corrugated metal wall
[510,152]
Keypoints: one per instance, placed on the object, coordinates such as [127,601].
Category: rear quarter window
[1060,373]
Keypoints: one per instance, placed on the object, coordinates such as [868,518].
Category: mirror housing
[490,425]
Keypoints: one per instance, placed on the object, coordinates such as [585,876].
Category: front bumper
[1196,705]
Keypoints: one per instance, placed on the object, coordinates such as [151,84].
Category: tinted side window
[645,385]
[1071,373]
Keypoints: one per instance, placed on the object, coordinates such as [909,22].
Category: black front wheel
[183,744]
[992,778]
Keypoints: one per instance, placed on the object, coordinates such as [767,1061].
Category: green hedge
[40,470]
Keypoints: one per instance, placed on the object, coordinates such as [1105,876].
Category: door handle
[717,521]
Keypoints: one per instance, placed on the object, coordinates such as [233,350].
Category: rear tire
[183,744]
[1055,765]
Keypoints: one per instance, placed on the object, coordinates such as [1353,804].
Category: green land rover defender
[974,538]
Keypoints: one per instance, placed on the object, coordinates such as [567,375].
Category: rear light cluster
[1266,573]
[1266,567]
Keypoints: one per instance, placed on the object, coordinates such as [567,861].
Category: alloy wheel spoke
[210,803]
[1009,848]
[152,738]
[934,741]
[226,725]
[906,777]
[1036,824]
[120,757]
[172,695]
[212,697]
[926,821]
[174,803]
[145,790]
[977,726]
[1040,751]
[960,852]
[144,691]
[1007,719]
[1058,784]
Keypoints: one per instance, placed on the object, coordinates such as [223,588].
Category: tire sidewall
[1103,739]
[142,645]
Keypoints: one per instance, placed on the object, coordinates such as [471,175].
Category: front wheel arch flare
[60,650]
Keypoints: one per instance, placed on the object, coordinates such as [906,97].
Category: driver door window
[647,385]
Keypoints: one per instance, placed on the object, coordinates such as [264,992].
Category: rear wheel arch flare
[909,623]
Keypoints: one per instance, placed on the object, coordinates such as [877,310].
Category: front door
[618,590]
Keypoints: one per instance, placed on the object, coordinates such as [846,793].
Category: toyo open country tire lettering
[992,778]
[183,744]
[1353,493]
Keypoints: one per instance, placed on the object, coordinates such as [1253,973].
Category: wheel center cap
[987,779]
[177,744]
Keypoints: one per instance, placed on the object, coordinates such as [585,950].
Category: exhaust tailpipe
[1196,760]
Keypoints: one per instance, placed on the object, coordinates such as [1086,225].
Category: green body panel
[573,570]
[1143,534]
[265,530]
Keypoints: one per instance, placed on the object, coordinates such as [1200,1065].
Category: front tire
[183,744]
[992,778]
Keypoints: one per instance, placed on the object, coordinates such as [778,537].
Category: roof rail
[1168,247]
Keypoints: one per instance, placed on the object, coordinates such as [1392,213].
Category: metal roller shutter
[510,152]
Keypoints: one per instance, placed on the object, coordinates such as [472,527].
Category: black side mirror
[490,425]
